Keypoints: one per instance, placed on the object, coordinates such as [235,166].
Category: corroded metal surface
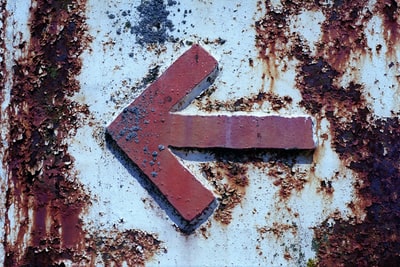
[328,80]
[41,198]
[67,200]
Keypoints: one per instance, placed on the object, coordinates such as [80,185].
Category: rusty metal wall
[70,197]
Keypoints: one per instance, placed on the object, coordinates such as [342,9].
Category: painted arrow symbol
[148,127]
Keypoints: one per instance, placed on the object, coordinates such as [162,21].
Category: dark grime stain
[153,26]
[366,144]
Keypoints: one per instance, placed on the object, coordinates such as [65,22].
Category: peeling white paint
[380,77]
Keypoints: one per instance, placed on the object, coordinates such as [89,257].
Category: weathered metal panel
[70,197]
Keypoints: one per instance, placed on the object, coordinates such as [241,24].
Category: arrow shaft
[241,132]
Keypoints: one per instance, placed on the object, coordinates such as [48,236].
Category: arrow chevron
[148,127]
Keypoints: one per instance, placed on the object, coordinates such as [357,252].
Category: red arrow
[147,127]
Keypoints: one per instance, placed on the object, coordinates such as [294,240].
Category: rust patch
[375,241]
[343,32]
[277,229]
[229,180]
[365,144]
[134,247]
[273,37]
[40,179]
[286,177]
[44,197]
[389,10]
[276,102]
[229,175]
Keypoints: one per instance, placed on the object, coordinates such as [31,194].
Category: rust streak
[390,11]
[343,32]
[47,202]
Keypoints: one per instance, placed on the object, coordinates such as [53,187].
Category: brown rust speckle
[285,177]
[229,180]
[134,247]
[280,232]
[204,230]
[275,102]
[278,229]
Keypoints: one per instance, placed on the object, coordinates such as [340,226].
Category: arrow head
[142,131]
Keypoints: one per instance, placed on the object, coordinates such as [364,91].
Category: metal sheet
[69,68]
